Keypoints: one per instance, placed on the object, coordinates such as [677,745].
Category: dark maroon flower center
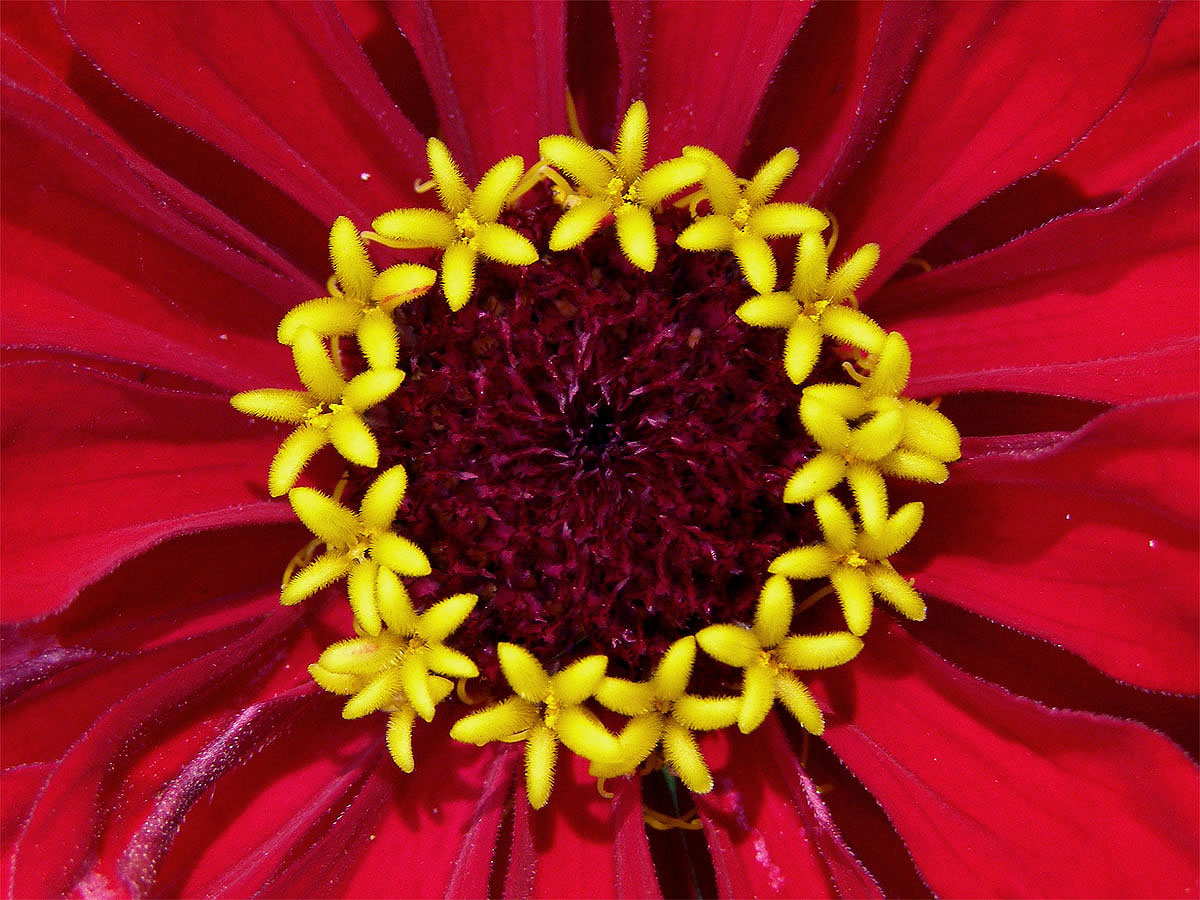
[597,452]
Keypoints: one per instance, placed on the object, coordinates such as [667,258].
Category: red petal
[998,796]
[701,71]
[631,849]
[1000,93]
[54,128]
[68,814]
[1068,309]
[1090,544]
[1154,122]
[309,116]
[93,267]
[567,849]
[769,832]
[497,72]
[836,87]
[98,468]
[477,849]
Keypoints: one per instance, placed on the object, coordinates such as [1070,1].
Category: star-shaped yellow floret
[466,225]
[664,714]
[742,219]
[361,546]
[392,670]
[547,709]
[360,301]
[856,560]
[616,184]
[861,436]
[329,412]
[770,656]
[818,304]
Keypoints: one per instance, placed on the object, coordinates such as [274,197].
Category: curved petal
[997,95]
[205,69]
[1011,318]
[752,824]
[852,61]
[497,72]
[1090,543]
[67,810]
[98,468]
[701,74]
[997,795]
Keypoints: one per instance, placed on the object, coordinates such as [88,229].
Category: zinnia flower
[171,175]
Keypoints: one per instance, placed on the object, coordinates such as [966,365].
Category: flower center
[600,453]
[597,453]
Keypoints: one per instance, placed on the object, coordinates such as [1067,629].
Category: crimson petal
[1090,543]
[867,48]
[771,835]
[1011,318]
[301,116]
[98,468]
[67,813]
[497,72]
[1161,108]
[996,795]
[996,96]
[702,72]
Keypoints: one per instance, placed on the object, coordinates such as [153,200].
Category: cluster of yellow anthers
[400,663]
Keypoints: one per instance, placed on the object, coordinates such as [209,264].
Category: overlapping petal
[992,792]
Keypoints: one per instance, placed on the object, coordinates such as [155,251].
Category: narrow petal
[351,266]
[636,235]
[458,274]
[630,145]
[382,500]
[324,516]
[360,589]
[315,368]
[757,261]
[325,315]
[523,672]
[417,227]
[294,454]
[581,163]
[505,245]
[353,439]
[400,555]
[578,681]
[488,198]
[445,617]
[378,340]
[578,223]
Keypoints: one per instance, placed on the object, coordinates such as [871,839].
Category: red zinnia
[170,175]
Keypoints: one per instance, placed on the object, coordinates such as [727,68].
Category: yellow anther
[741,216]
[854,560]
[466,224]
[602,788]
[545,710]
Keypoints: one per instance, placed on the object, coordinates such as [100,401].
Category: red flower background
[170,173]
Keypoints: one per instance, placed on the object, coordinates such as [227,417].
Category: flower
[169,186]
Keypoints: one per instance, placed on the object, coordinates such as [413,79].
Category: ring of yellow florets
[400,662]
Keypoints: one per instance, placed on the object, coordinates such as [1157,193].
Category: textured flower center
[598,453]
[598,450]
